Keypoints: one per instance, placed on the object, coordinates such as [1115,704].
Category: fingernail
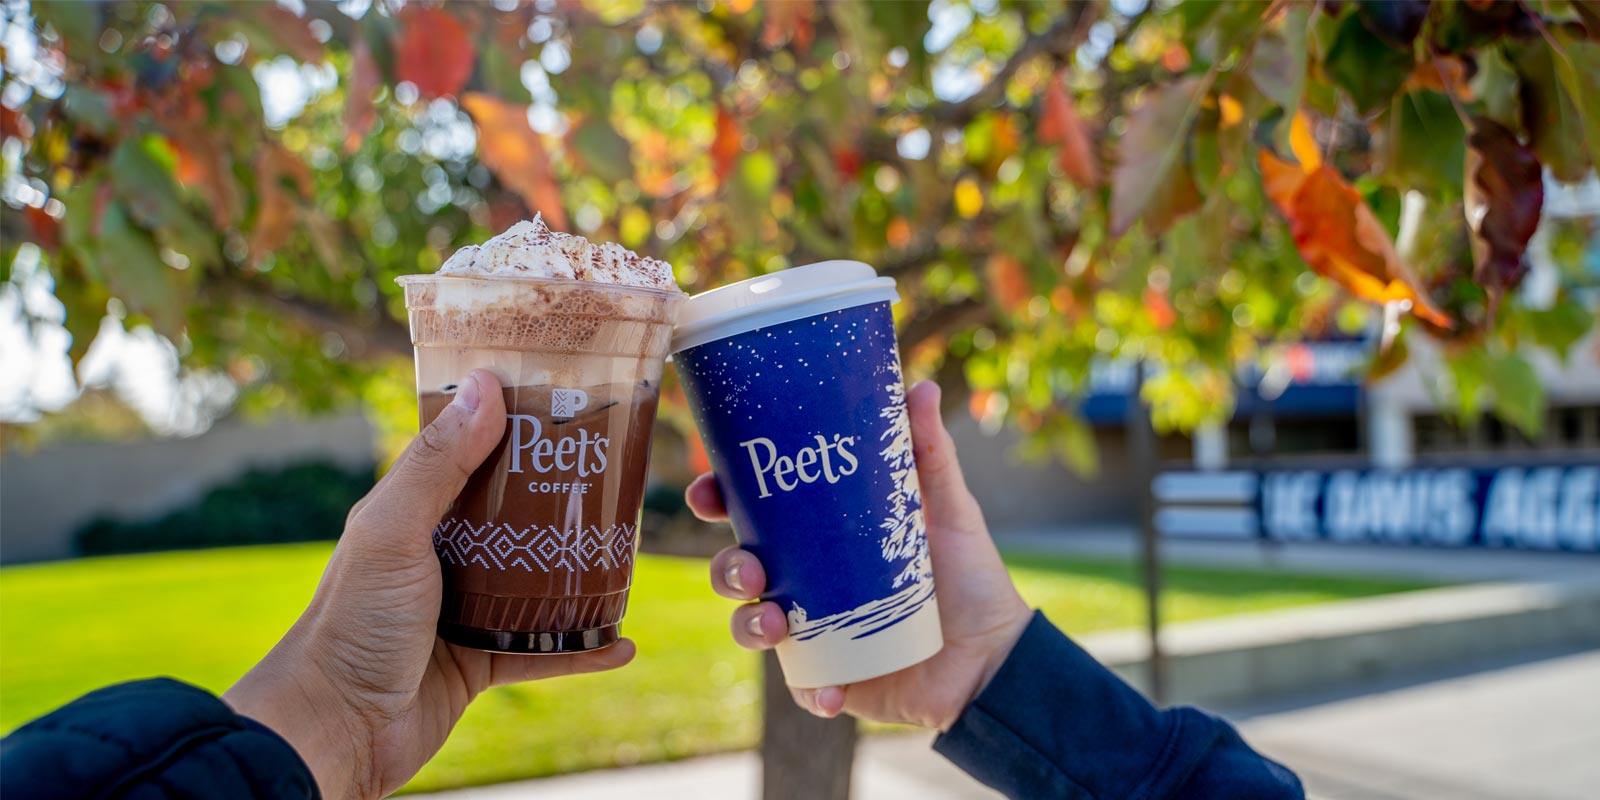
[467,395]
[731,577]
[830,700]
[754,626]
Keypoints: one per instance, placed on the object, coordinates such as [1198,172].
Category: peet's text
[583,453]
[828,461]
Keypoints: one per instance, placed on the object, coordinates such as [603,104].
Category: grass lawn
[205,616]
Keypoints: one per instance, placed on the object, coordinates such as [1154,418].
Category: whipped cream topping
[529,249]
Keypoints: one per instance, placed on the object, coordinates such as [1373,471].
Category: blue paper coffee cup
[794,381]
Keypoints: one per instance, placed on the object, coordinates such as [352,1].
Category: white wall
[46,495]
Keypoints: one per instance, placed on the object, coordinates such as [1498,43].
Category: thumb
[426,478]
[946,501]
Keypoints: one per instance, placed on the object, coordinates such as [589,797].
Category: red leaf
[46,229]
[789,21]
[515,153]
[1340,239]
[13,125]
[434,52]
[359,112]
[291,31]
[1059,124]
[1504,194]
[1151,180]
[847,160]
[1159,308]
[726,146]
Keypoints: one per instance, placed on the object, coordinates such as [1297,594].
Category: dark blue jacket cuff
[1056,723]
[150,738]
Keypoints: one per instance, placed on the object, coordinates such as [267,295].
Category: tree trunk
[802,757]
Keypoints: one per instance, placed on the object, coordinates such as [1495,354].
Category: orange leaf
[46,229]
[1303,144]
[1160,310]
[898,234]
[359,112]
[726,146]
[1447,74]
[281,177]
[1340,239]
[434,52]
[515,153]
[789,21]
[1008,282]
[1059,124]
[204,165]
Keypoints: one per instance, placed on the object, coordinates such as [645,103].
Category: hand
[361,685]
[979,608]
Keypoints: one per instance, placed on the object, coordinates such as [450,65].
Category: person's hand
[979,608]
[361,685]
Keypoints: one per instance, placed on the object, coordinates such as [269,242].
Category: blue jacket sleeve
[150,739]
[1056,723]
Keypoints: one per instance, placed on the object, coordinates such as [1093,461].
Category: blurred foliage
[303,502]
[1050,182]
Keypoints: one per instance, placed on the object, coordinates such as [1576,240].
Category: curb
[1253,656]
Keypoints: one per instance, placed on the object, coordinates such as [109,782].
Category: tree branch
[364,336]
[941,320]
[1058,40]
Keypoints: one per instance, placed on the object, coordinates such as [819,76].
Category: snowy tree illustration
[904,537]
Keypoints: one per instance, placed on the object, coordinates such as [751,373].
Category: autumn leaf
[1504,194]
[434,52]
[726,145]
[1060,125]
[789,21]
[1008,282]
[283,181]
[1340,239]
[205,166]
[359,112]
[515,153]
[1445,74]
[1152,150]
[290,32]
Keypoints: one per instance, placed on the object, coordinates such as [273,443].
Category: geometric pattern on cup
[499,546]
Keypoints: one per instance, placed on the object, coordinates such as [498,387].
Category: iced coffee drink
[537,551]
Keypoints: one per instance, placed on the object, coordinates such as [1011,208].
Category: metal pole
[1142,443]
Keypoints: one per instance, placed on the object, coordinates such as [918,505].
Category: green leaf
[603,150]
[1560,326]
[141,172]
[1427,143]
[1577,64]
[88,107]
[1553,122]
[759,173]
[1366,68]
[1468,374]
[904,23]
[501,70]
[1518,394]
[135,273]
[85,303]
[1150,176]
[1496,86]
[76,22]
[1279,66]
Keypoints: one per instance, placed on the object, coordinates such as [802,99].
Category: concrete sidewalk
[1511,731]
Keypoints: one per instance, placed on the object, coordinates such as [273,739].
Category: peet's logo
[583,453]
[809,465]
[566,403]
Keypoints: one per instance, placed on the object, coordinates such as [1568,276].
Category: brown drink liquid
[537,551]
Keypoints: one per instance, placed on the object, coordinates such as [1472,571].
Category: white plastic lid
[777,298]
